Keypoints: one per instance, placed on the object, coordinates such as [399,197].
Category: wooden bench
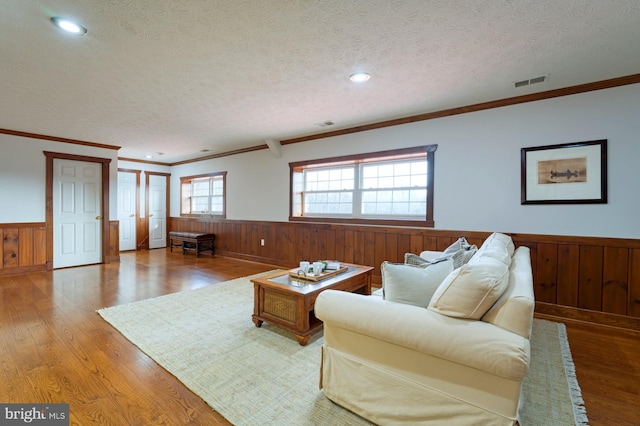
[192,241]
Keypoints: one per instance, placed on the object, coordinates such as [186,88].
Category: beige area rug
[262,376]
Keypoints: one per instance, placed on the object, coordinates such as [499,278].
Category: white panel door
[157,211]
[127,210]
[77,213]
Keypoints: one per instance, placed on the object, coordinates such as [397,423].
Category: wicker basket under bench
[192,241]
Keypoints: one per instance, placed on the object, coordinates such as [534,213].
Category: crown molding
[567,91]
[57,139]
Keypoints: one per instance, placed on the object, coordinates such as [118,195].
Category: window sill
[203,215]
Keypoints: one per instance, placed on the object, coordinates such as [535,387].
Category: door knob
[151,215]
[132,215]
[98,217]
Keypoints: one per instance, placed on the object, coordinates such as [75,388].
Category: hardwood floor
[54,347]
[608,369]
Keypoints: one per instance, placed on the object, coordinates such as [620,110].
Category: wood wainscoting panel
[583,278]
[633,304]
[10,248]
[590,290]
[547,272]
[568,274]
[615,280]
[25,251]
[22,247]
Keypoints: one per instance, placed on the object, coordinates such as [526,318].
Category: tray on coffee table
[297,273]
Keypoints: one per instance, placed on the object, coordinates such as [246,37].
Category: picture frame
[571,173]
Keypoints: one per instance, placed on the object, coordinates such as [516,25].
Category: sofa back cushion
[469,291]
[497,246]
[513,311]
[498,239]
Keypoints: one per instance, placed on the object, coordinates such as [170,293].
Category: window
[203,194]
[390,187]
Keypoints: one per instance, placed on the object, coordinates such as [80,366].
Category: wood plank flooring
[54,347]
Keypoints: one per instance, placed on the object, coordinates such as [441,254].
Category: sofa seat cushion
[469,292]
[413,285]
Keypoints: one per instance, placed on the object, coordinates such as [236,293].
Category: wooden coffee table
[288,302]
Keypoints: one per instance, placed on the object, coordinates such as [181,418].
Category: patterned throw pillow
[461,252]
[415,260]
[458,258]
[460,244]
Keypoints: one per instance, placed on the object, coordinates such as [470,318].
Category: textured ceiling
[178,77]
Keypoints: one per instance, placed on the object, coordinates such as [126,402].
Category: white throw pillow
[469,291]
[411,284]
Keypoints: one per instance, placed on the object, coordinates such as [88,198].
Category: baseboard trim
[22,269]
[565,313]
[252,258]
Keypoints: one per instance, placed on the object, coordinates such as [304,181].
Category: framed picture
[572,173]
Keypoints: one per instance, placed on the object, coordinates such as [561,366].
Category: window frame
[189,180]
[296,173]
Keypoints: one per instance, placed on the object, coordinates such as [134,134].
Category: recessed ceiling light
[359,77]
[69,26]
[148,156]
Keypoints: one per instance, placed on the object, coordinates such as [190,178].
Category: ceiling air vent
[535,80]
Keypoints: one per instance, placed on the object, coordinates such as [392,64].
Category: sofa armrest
[476,344]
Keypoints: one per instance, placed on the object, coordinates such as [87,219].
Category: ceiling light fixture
[325,124]
[359,77]
[68,26]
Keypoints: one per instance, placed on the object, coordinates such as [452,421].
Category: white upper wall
[477,180]
[23,176]
[477,167]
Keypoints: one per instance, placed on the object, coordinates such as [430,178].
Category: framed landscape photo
[572,173]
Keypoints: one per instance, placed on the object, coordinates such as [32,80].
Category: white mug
[317,268]
[304,267]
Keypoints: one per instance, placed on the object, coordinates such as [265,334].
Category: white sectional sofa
[461,359]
